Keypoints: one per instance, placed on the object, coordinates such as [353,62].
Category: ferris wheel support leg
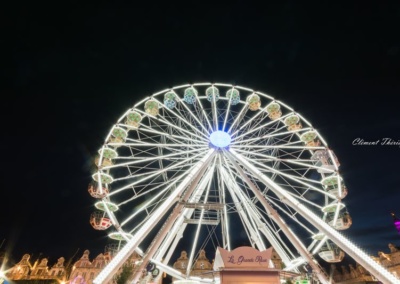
[176,233]
[275,216]
[357,254]
[179,227]
[107,273]
[172,219]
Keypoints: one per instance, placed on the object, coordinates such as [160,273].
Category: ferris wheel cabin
[325,160]
[331,253]
[99,221]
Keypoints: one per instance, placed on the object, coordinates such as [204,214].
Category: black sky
[69,71]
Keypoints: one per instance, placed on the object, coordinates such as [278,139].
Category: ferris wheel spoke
[175,138]
[261,156]
[183,104]
[139,224]
[151,171]
[156,145]
[173,154]
[174,126]
[144,206]
[267,124]
[238,118]
[194,146]
[142,137]
[200,105]
[298,162]
[153,174]
[290,214]
[282,152]
[280,147]
[139,159]
[274,130]
[247,123]
[256,139]
[298,179]
[185,152]
[183,120]
[227,111]
[214,110]
[301,198]
[272,134]
[289,167]
[260,117]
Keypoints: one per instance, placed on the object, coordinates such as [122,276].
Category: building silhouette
[82,271]
[85,269]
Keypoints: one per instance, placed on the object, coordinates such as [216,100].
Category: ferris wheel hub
[220,139]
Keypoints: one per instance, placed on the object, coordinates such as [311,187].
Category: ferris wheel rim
[188,136]
[206,84]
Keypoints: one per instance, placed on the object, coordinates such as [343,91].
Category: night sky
[70,71]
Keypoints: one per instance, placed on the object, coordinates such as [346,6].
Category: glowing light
[220,139]
[396,222]
[397,225]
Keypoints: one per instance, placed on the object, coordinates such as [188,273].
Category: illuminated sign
[242,257]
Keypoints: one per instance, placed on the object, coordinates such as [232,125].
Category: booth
[246,265]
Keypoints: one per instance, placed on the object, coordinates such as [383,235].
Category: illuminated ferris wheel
[214,163]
